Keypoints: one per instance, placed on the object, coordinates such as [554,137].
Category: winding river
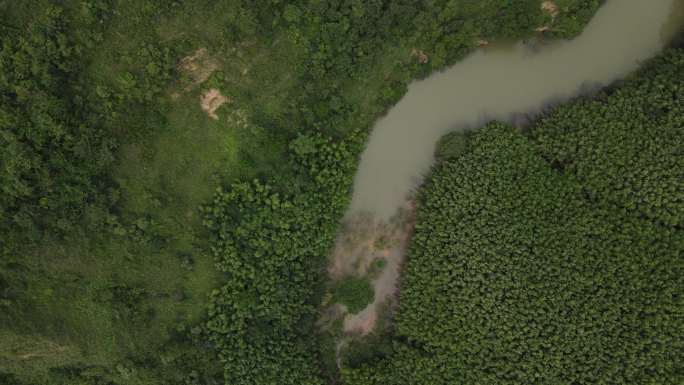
[499,84]
[495,83]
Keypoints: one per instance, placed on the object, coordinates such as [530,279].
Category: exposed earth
[368,247]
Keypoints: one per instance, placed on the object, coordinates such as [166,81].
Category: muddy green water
[498,84]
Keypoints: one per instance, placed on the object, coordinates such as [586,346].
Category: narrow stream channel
[496,84]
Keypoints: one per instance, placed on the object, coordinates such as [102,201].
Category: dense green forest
[553,255]
[143,242]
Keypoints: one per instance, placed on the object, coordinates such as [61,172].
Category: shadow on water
[673,30]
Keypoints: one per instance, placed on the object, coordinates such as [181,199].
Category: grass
[164,175]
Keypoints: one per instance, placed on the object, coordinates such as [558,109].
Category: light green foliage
[527,270]
[355,293]
[407,365]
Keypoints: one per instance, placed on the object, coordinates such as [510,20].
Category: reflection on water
[504,84]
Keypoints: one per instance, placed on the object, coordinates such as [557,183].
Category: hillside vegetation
[551,256]
[145,242]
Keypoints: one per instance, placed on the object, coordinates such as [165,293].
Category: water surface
[500,83]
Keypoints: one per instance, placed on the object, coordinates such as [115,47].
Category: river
[499,84]
[502,83]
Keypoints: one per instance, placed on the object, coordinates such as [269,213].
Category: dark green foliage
[358,351]
[272,249]
[355,293]
[451,146]
[8,379]
[59,135]
[366,351]
[527,270]
[53,159]
[626,146]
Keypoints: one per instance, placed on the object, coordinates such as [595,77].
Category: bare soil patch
[363,241]
[211,100]
[423,58]
[197,67]
[551,8]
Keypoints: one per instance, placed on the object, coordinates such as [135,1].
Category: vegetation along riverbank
[553,254]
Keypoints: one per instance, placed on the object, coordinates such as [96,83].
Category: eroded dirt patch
[552,10]
[197,67]
[367,247]
[550,7]
[211,100]
[422,57]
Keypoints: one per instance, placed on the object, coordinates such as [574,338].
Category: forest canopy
[143,241]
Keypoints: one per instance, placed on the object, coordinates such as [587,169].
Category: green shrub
[355,293]
[376,267]
[451,146]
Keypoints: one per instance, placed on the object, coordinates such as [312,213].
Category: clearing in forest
[372,249]
[211,100]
